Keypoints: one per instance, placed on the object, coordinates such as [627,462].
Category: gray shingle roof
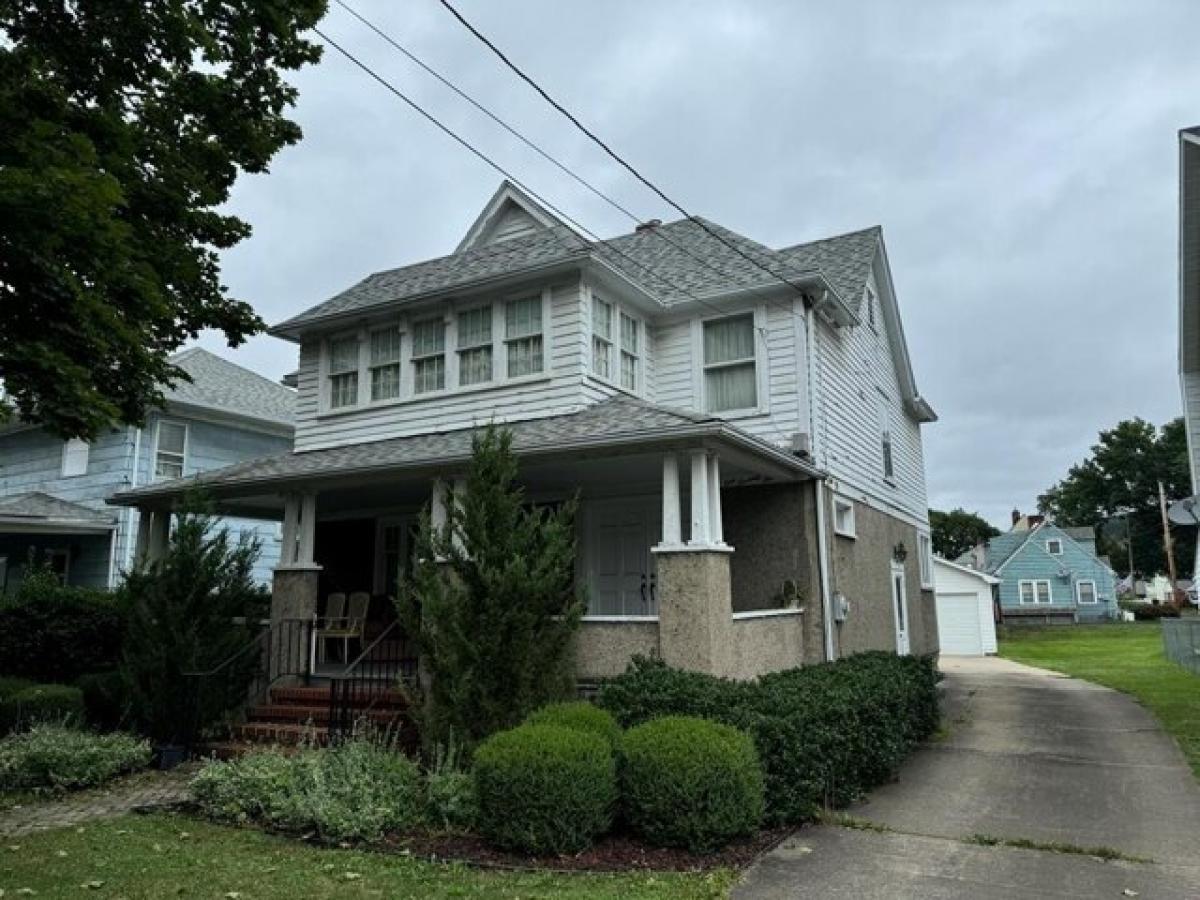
[218,384]
[673,262]
[36,507]
[844,259]
[619,420]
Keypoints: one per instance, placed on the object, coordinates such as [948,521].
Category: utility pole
[1166,523]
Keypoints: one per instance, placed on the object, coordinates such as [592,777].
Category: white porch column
[672,533]
[700,518]
[291,522]
[142,545]
[716,530]
[306,542]
[437,505]
[158,535]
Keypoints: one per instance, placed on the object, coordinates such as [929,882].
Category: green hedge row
[61,758]
[825,734]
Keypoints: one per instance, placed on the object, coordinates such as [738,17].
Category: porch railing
[216,697]
[368,689]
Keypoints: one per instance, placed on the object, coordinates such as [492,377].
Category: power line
[612,153]
[445,129]
[511,129]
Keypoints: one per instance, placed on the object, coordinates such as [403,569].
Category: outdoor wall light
[900,552]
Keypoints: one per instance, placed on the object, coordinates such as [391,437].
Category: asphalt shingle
[38,507]
[221,385]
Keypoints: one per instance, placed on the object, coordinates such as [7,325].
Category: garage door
[958,624]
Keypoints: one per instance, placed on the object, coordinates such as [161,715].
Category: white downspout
[823,568]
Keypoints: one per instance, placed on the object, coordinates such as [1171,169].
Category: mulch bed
[614,853]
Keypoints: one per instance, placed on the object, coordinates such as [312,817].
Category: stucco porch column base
[695,608]
[294,592]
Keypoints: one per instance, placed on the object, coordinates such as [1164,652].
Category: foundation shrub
[545,788]
[580,716]
[688,782]
[61,758]
[825,734]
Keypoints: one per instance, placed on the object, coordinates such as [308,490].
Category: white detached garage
[966,623]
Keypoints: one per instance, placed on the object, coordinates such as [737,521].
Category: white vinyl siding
[475,346]
[170,450]
[1034,591]
[429,356]
[385,364]
[730,364]
[1085,592]
[74,458]
[343,372]
[523,336]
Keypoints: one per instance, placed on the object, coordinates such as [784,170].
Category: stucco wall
[766,644]
[772,530]
[861,570]
[604,649]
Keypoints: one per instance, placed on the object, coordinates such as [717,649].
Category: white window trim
[1095,601]
[1058,541]
[847,504]
[497,321]
[187,446]
[1035,582]
[71,452]
[615,348]
[505,340]
[326,373]
[925,559]
[761,361]
[886,431]
[364,349]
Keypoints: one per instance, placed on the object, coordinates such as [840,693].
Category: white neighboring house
[746,444]
[965,609]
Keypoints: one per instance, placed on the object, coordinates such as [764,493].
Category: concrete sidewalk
[1031,756]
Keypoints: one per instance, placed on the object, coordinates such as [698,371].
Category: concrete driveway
[1031,757]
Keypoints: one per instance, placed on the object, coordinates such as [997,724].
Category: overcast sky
[1021,158]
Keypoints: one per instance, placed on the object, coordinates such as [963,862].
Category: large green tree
[1116,488]
[123,126]
[957,531]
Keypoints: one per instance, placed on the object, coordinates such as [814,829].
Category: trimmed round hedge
[580,716]
[692,783]
[545,788]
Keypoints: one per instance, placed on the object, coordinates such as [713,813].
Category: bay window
[475,346]
[385,364]
[730,367]
[429,356]
[602,337]
[343,372]
[629,352]
[523,336]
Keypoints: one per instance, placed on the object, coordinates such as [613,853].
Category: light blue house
[52,492]
[1048,573]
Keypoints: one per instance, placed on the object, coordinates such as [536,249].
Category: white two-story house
[742,427]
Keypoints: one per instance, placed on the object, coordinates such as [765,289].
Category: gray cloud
[1021,158]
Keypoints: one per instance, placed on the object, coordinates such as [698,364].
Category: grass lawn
[173,856]
[1126,657]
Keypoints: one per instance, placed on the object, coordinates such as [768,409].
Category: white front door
[622,567]
[900,607]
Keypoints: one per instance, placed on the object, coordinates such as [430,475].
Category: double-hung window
[429,356]
[523,336]
[602,338]
[475,346]
[925,558]
[385,364]
[1085,592]
[885,440]
[1033,590]
[730,369]
[630,340]
[1054,547]
[343,372]
[170,450]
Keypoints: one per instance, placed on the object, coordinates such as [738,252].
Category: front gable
[1036,561]
[511,213]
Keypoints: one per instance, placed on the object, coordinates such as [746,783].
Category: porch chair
[342,623]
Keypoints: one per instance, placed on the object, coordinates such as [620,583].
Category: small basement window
[843,517]
[1054,547]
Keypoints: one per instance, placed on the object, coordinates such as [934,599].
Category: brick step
[285,733]
[293,712]
[313,696]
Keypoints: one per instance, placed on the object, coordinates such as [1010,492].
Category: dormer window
[343,372]
[385,364]
[475,346]
[523,336]
[429,356]
[602,338]
[730,369]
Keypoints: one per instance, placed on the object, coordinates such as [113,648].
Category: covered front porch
[694,541]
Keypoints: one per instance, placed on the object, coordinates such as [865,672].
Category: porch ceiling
[618,443]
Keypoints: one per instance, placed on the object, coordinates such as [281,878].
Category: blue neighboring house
[1048,573]
[52,492]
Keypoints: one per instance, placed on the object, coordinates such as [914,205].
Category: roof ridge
[832,237]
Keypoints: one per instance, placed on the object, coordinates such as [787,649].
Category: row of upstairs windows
[512,332]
